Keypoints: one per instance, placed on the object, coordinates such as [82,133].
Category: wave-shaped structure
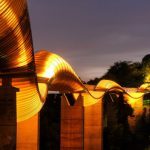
[33,75]
[56,72]
[17,57]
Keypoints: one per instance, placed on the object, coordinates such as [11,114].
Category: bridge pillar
[137,105]
[92,122]
[71,125]
[8,119]
[27,134]
[81,125]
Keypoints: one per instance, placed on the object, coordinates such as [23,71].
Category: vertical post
[28,134]
[81,124]
[71,125]
[137,105]
[93,127]
[8,115]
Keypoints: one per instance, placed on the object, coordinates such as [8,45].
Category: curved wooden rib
[18,63]
[56,72]
[145,87]
[108,85]
[17,58]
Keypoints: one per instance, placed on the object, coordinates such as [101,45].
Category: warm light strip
[60,74]
[34,75]
[17,58]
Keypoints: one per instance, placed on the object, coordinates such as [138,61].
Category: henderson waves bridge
[26,78]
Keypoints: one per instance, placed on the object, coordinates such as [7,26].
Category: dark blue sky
[92,34]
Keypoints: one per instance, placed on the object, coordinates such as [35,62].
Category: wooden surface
[92,125]
[71,125]
[8,117]
[81,126]
[137,105]
[27,134]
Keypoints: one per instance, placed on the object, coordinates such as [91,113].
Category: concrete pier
[71,125]
[81,125]
[8,115]
[28,134]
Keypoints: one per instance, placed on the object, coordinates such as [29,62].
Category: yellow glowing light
[145,86]
[49,73]
[108,85]
[16,57]
[43,89]
[135,100]
[88,100]
[35,75]
[60,74]
[12,20]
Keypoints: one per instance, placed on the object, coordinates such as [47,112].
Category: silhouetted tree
[50,123]
[127,73]
[146,68]
[116,134]
[93,81]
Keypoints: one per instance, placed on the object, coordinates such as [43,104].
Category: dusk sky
[92,34]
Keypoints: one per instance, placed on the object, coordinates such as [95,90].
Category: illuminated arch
[56,72]
[34,75]
[108,85]
[31,75]
[17,58]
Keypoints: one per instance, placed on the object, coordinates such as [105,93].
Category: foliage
[146,68]
[127,74]
[50,123]
[117,134]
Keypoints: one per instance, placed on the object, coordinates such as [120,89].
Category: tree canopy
[127,73]
[146,67]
